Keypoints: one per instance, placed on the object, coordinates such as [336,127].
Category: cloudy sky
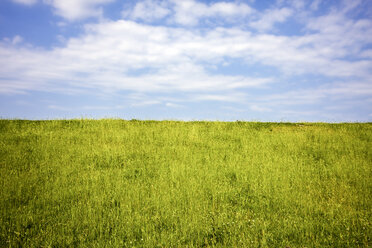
[279,60]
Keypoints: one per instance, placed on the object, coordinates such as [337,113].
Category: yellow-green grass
[116,183]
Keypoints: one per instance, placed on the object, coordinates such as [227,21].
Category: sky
[252,60]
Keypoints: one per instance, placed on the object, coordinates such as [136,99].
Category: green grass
[116,183]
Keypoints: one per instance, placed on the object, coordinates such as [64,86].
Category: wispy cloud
[189,12]
[77,9]
[270,17]
[186,12]
[13,41]
[72,10]
[148,10]
[260,109]
[327,93]
[26,2]
[173,105]
[84,107]
[315,4]
[234,97]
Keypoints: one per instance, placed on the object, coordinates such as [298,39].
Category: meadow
[118,183]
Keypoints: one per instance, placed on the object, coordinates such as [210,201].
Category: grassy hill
[116,183]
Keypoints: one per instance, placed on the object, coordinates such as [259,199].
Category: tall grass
[116,183]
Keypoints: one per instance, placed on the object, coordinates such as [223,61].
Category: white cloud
[72,9]
[148,11]
[110,54]
[339,37]
[116,56]
[297,4]
[329,92]
[315,4]
[186,12]
[350,5]
[173,105]
[366,54]
[260,109]
[177,61]
[26,2]
[17,39]
[225,97]
[270,17]
[189,12]
[77,9]
[145,103]
[86,107]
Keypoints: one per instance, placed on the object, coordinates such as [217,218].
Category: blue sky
[279,60]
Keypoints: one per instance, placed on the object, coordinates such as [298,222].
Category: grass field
[116,183]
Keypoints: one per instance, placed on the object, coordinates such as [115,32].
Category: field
[116,183]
